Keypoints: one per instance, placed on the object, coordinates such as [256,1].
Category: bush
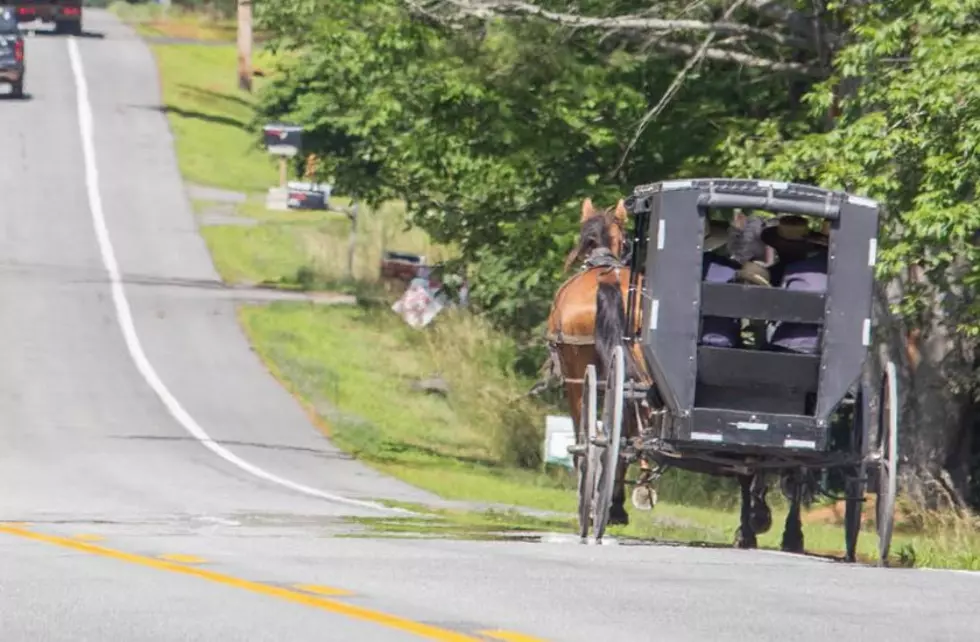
[485,391]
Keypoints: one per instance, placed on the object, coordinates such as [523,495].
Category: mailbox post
[284,141]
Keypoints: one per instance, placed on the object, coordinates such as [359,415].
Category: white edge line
[125,317]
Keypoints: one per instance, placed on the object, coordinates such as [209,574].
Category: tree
[494,133]
[908,134]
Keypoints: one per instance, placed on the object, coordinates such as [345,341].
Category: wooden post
[283,171]
[245,45]
[352,241]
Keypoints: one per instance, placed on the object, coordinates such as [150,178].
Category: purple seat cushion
[719,331]
[808,275]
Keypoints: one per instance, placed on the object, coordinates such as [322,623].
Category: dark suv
[12,65]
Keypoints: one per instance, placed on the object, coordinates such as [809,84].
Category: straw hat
[792,234]
[755,273]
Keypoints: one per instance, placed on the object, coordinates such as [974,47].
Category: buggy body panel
[745,398]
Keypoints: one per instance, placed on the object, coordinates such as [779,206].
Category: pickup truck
[65,14]
[12,65]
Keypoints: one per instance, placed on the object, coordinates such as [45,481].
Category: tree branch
[674,87]
[630,22]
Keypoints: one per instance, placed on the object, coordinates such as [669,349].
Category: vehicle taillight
[71,11]
[19,50]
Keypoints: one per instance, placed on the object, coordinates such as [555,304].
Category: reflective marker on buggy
[706,436]
[866,332]
[654,313]
[872,252]
[800,443]
[751,425]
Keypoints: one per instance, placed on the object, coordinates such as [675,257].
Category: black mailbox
[283,140]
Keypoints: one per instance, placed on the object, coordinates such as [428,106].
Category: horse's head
[600,229]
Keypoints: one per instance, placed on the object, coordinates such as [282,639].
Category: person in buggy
[801,264]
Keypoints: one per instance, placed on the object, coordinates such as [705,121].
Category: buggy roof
[772,196]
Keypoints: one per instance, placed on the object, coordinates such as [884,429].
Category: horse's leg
[761,515]
[572,364]
[745,536]
[793,530]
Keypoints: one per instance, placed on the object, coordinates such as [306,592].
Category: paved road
[168,489]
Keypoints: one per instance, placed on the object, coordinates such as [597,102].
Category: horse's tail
[610,328]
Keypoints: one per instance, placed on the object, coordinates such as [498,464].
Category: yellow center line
[322,590]
[348,610]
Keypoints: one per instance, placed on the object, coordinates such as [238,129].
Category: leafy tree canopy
[493,135]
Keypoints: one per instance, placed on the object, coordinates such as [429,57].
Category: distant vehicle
[12,65]
[65,14]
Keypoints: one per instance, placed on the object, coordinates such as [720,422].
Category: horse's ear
[588,211]
[621,211]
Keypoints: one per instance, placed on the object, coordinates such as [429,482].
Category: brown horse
[573,319]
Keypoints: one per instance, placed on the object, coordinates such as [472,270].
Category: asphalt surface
[107,475]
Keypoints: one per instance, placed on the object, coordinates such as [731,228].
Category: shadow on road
[25,97]
[96,35]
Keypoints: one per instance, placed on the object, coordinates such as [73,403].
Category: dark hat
[792,233]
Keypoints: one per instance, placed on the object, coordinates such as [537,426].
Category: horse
[572,321]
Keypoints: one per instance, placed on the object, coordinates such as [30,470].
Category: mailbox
[307,196]
[283,140]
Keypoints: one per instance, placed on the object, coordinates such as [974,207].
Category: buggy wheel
[607,454]
[586,433]
[857,485]
[887,462]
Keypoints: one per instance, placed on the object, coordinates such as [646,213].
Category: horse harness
[601,257]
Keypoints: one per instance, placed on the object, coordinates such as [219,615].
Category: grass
[157,21]
[354,367]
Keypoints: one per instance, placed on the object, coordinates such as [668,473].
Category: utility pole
[245,45]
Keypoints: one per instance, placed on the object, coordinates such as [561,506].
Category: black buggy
[738,411]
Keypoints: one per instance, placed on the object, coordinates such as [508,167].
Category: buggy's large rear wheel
[585,435]
[857,484]
[887,453]
[607,454]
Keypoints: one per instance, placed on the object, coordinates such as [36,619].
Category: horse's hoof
[618,515]
[746,542]
[792,544]
[760,519]
[644,498]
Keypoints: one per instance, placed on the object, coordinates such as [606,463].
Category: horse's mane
[593,235]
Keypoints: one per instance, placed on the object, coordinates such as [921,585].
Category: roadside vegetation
[357,367]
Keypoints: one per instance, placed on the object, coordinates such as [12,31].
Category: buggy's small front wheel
[607,458]
[585,435]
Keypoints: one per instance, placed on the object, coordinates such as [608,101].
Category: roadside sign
[283,140]
[559,434]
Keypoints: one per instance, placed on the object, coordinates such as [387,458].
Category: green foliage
[908,135]
[491,136]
